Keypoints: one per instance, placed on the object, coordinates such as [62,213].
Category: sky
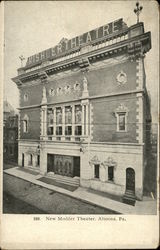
[33,26]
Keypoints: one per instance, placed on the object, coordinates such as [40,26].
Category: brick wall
[105,121]
[103,81]
[34,123]
[34,93]
[100,81]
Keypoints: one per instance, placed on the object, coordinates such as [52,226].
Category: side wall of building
[32,115]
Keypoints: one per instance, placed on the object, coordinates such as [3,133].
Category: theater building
[84,107]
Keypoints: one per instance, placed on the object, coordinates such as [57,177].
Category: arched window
[25,124]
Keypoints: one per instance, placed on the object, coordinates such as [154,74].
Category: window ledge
[121,131]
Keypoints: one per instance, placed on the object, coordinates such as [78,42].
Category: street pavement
[23,197]
[147,206]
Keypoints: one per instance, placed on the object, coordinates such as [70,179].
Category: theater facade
[84,107]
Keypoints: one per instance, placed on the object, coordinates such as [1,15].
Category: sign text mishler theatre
[66,45]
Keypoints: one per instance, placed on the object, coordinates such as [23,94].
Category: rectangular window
[38,160]
[96,171]
[58,115]
[59,130]
[30,161]
[78,114]
[50,130]
[68,115]
[122,122]
[68,130]
[111,173]
[51,121]
[78,130]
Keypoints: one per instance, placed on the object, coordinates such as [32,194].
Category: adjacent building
[10,134]
[84,107]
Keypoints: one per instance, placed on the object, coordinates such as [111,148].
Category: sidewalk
[145,207]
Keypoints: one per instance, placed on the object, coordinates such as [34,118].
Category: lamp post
[138,10]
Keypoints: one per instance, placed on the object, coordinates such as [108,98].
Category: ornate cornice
[137,46]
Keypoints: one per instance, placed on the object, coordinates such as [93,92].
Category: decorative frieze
[43,76]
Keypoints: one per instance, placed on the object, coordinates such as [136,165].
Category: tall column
[34,160]
[41,122]
[87,121]
[45,121]
[44,113]
[26,159]
[63,122]
[82,119]
[54,124]
[73,120]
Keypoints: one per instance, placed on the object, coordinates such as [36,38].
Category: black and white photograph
[80,111]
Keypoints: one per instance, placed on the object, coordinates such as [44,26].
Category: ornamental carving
[121,108]
[67,89]
[121,78]
[51,92]
[25,97]
[77,86]
[94,160]
[59,91]
[110,162]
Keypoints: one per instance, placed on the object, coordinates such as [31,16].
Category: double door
[63,165]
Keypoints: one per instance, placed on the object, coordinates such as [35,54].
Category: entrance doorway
[22,160]
[65,165]
[50,163]
[130,179]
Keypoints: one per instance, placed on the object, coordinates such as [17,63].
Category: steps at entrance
[75,181]
[129,197]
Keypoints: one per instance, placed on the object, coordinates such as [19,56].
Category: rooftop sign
[66,45]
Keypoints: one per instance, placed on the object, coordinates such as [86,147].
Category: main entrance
[63,165]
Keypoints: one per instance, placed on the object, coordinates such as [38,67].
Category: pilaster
[83,119]
[73,121]
[63,122]
[139,118]
[26,158]
[54,113]
[34,160]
